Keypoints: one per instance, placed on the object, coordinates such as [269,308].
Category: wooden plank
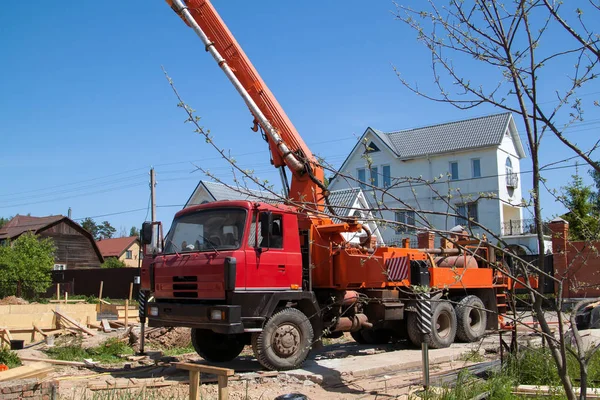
[106,326]
[75,323]
[126,312]
[194,384]
[101,287]
[207,369]
[26,371]
[36,329]
[542,390]
[55,362]
[223,389]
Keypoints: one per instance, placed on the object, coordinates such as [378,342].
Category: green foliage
[134,231]
[4,221]
[596,195]
[9,358]
[113,262]
[99,231]
[26,265]
[108,352]
[583,215]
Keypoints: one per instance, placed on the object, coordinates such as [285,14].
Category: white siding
[421,197]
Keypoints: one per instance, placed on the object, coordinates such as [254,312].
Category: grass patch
[143,394]
[9,358]
[176,351]
[107,352]
[472,356]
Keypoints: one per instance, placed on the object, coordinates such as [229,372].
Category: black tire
[217,347]
[358,337]
[443,324]
[471,319]
[285,340]
[414,333]
[376,336]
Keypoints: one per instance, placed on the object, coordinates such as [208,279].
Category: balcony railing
[522,227]
[512,180]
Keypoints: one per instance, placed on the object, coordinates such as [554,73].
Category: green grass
[107,352]
[176,351]
[143,394]
[9,358]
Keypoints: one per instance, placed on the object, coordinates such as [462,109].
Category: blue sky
[85,109]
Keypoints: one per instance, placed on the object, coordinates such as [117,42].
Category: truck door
[273,262]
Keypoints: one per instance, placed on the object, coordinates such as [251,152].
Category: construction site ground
[342,369]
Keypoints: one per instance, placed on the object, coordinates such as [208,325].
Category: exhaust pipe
[352,324]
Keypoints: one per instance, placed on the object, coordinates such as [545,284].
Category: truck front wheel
[285,340]
[216,347]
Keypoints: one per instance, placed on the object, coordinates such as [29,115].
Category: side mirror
[266,224]
[146,234]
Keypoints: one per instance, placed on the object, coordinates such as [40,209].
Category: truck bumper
[196,316]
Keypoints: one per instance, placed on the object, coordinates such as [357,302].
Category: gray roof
[451,136]
[341,200]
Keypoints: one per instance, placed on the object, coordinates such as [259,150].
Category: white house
[349,202]
[454,163]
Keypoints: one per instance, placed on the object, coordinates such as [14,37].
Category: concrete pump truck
[281,276]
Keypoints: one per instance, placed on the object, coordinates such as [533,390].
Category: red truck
[282,276]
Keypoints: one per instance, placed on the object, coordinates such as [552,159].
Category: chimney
[426,240]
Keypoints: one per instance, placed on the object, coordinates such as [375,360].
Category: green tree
[583,214]
[98,231]
[3,221]
[106,230]
[26,265]
[134,231]
[113,262]
[90,225]
[596,195]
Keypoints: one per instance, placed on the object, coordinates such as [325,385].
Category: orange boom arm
[285,143]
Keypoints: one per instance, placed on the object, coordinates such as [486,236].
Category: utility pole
[153,194]
[143,295]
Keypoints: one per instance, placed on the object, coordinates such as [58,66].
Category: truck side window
[275,241]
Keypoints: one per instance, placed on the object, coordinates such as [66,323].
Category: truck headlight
[153,311]
[217,315]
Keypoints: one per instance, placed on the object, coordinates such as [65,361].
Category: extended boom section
[286,145]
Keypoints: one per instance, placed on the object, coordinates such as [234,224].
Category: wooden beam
[223,389]
[106,326]
[130,291]
[56,362]
[207,369]
[35,370]
[100,293]
[194,385]
[75,323]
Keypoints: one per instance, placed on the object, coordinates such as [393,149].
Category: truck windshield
[207,230]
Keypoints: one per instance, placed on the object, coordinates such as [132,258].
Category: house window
[374,177]
[509,168]
[454,170]
[362,177]
[405,217]
[467,213]
[128,255]
[387,176]
[476,166]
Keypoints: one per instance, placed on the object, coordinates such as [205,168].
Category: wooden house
[75,247]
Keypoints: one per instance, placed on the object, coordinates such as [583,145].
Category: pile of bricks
[29,389]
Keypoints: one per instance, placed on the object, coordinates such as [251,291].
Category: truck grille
[185,286]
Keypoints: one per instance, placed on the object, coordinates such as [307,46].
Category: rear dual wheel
[443,326]
[471,319]
[372,336]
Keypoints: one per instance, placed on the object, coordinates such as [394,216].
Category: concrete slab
[329,371]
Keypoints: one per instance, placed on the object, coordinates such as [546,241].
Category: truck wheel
[216,347]
[285,340]
[376,336]
[471,319]
[358,337]
[443,327]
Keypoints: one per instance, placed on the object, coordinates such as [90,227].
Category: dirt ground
[250,381]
